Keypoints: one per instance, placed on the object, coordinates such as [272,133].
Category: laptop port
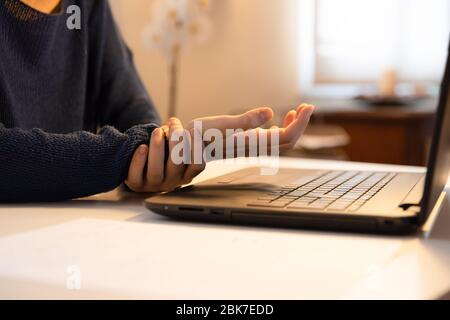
[188,209]
[217,211]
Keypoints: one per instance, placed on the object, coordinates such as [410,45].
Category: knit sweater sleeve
[39,166]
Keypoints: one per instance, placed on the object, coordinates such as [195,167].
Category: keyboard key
[298,206]
[330,197]
[268,198]
[307,198]
[338,206]
[301,202]
[283,199]
[351,196]
[306,205]
[316,194]
[290,196]
[317,205]
[287,189]
[298,193]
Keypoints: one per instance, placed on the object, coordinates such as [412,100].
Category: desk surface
[412,267]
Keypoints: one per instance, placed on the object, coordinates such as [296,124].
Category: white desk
[273,263]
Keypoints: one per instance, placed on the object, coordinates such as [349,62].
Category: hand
[160,177]
[149,172]
[294,124]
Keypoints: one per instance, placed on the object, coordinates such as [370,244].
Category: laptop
[357,201]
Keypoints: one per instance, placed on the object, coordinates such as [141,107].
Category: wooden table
[388,134]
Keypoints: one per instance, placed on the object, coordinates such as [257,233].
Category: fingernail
[142,150]
[258,119]
[306,111]
[309,112]
[264,115]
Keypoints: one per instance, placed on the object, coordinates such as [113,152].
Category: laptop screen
[439,158]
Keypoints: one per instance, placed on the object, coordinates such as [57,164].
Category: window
[345,44]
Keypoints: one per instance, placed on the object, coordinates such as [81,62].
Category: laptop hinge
[414,197]
[406,206]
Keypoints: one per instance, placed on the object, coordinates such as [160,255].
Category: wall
[251,59]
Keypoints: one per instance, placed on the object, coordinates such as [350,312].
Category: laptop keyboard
[332,191]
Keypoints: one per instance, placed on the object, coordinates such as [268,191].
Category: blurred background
[372,67]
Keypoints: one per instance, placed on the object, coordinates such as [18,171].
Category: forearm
[38,166]
[125,102]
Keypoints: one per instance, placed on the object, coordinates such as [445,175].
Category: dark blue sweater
[72,107]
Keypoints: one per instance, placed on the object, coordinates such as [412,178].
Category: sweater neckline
[22,11]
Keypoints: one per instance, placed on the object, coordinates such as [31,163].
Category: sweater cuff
[137,135]
[141,134]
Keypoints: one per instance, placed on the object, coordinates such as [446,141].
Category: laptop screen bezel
[439,160]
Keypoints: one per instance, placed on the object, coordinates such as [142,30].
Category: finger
[251,119]
[303,106]
[135,179]
[286,138]
[198,164]
[290,135]
[290,116]
[156,156]
[174,172]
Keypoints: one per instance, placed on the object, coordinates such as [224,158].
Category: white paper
[165,259]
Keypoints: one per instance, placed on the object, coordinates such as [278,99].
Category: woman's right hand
[152,171]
